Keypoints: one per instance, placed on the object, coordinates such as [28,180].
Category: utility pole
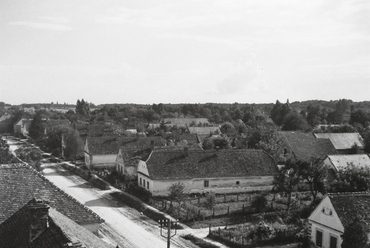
[167,235]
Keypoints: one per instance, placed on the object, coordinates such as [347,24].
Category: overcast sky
[247,51]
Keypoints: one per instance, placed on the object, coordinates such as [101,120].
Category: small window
[237,183]
[140,180]
[206,183]
[147,184]
[333,242]
[285,151]
[318,238]
[144,183]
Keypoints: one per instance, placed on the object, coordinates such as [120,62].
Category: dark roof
[191,138]
[103,145]
[195,163]
[351,205]
[111,144]
[20,183]
[14,232]
[305,146]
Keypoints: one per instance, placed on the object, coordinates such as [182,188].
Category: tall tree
[279,111]
[74,144]
[287,180]
[37,128]
[313,173]
[294,121]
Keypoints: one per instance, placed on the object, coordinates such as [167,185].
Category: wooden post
[209,228]
[228,210]
[219,232]
[213,214]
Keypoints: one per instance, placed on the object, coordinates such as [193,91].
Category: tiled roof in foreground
[352,205]
[20,183]
[14,232]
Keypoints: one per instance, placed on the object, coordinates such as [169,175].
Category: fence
[244,237]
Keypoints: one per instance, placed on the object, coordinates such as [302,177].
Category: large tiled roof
[111,144]
[14,232]
[204,130]
[357,160]
[103,145]
[351,205]
[305,146]
[179,163]
[342,140]
[20,183]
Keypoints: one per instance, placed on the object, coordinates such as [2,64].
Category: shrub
[259,203]
[199,242]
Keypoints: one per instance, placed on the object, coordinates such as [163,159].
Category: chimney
[39,211]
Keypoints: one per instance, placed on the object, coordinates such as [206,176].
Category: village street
[123,226]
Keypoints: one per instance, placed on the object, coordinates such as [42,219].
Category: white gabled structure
[326,226]
[334,213]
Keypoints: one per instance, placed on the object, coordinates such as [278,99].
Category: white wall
[327,232]
[104,159]
[219,185]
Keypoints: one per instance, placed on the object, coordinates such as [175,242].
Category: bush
[305,212]
[199,242]
[259,203]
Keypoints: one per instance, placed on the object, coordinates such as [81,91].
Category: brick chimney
[39,211]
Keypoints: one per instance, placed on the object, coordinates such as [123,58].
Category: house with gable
[200,171]
[20,183]
[22,126]
[132,150]
[37,224]
[301,146]
[334,213]
[101,152]
[334,163]
[343,142]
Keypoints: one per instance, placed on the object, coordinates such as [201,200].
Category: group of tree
[300,173]
[351,179]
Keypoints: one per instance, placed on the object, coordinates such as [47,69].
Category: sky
[193,51]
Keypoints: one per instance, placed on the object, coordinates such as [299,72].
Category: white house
[131,150]
[330,218]
[101,152]
[200,171]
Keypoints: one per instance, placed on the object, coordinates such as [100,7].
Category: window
[333,242]
[147,184]
[318,238]
[206,183]
[144,183]
[140,180]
